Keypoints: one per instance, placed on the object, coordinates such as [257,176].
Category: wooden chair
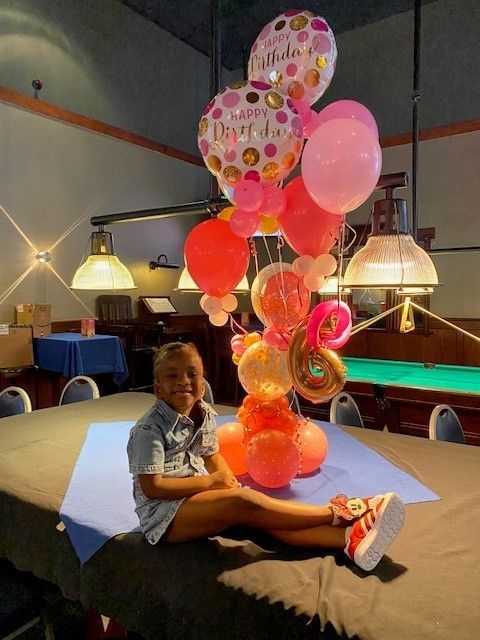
[114,309]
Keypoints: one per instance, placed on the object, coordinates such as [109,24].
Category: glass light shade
[414,291]
[102,272]
[390,262]
[186,284]
[330,287]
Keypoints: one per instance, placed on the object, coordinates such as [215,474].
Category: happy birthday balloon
[296,53]
[250,131]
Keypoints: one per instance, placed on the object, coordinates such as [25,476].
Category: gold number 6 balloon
[317,374]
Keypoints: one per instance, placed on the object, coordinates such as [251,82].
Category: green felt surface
[442,377]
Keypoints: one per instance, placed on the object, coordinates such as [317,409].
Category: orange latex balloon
[273,459]
[313,445]
[230,438]
[215,257]
[317,374]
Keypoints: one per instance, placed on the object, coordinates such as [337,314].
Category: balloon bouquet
[251,135]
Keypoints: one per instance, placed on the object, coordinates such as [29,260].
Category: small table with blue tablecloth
[72,354]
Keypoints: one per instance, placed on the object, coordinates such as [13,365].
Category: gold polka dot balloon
[250,131]
[296,53]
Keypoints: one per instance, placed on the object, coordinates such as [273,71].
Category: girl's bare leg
[210,512]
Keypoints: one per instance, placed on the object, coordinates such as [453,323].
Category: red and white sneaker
[346,510]
[371,535]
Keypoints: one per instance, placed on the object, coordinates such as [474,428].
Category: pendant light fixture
[186,284]
[102,270]
[391,259]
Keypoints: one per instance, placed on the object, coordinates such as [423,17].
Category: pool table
[401,395]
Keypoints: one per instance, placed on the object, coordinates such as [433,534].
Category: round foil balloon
[250,131]
[258,286]
[296,53]
[263,372]
[285,300]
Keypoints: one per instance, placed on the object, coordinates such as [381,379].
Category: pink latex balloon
[237,344]
[244,223]
[307,116]
[230,439]
[248,195]
[345,109]
[313,445]
[308,229]
[274,201]
[215,257]
[318,337]
[341,164]
[277,339]
[273,460]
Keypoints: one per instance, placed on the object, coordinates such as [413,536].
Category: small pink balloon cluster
[252,200]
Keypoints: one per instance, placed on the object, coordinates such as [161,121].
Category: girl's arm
[216,462]
[154,485]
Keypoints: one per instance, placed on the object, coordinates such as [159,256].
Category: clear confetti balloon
[263,372]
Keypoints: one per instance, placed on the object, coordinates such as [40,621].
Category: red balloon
[308,229]
[215,257]
[273,459]
[232,448]
[313,445]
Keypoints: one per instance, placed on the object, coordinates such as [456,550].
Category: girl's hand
[223,479]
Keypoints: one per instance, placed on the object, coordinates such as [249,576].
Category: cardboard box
[37,315]
[16,346]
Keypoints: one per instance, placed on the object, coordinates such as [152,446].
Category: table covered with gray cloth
[241,585]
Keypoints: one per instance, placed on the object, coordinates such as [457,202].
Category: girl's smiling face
[179,380]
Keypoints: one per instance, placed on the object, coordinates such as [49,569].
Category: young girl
[184,489]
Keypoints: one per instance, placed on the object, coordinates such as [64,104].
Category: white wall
[101,59]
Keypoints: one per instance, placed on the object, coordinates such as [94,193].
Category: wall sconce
[162,263]
[102,270]
[43,256]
